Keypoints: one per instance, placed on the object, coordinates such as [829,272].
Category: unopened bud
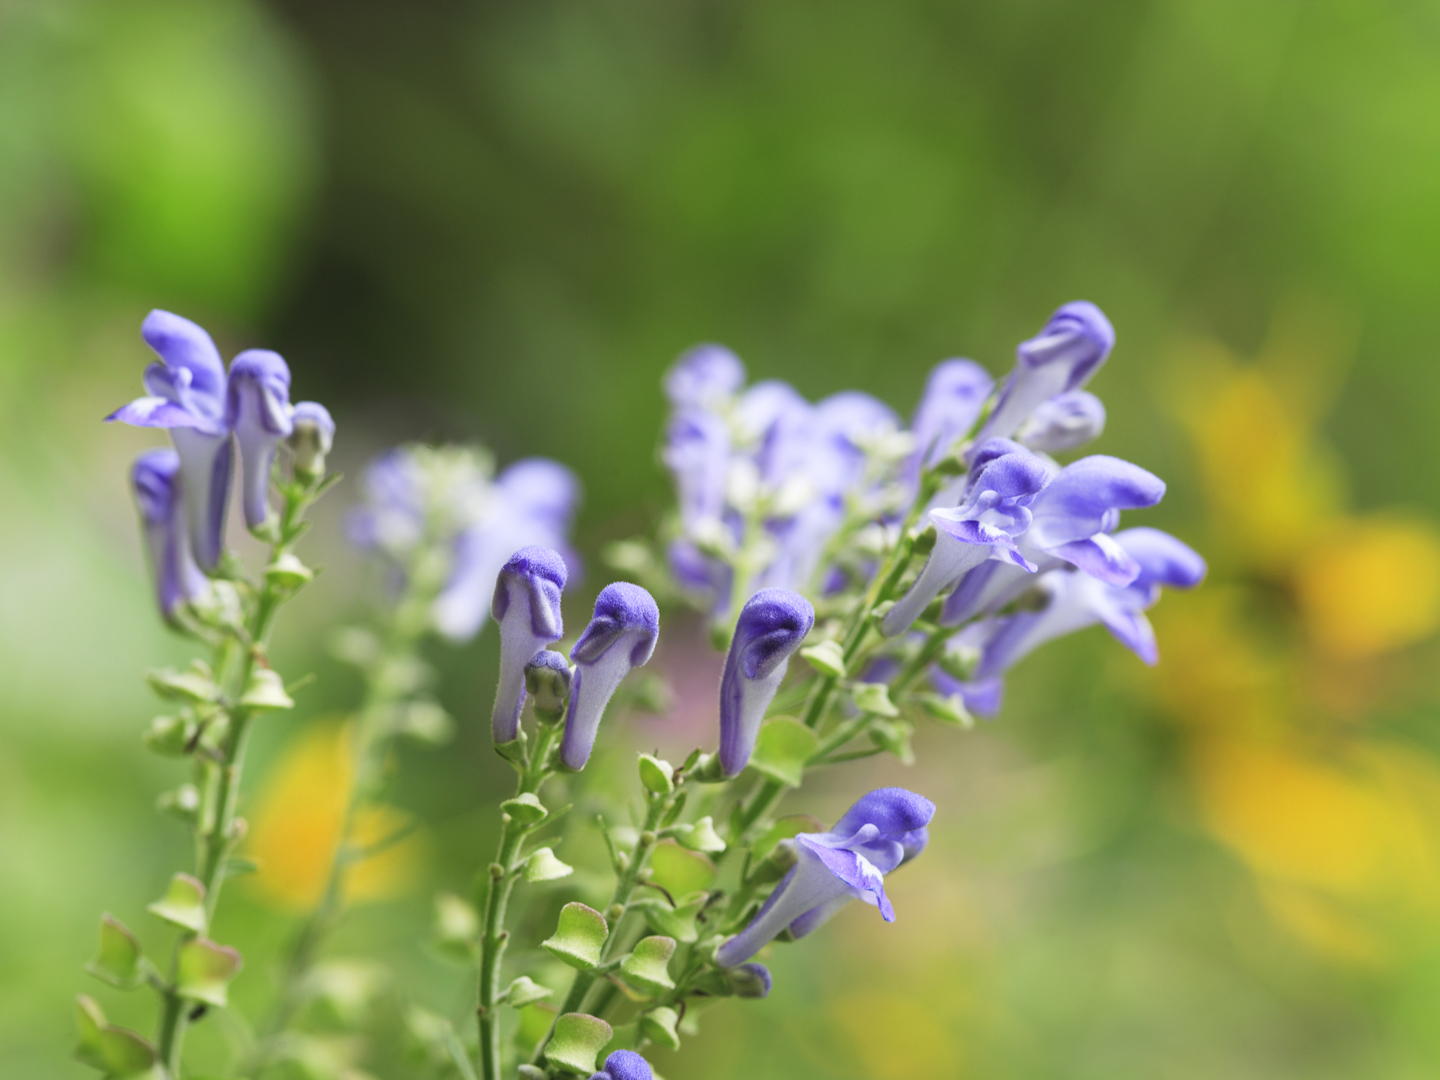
[311,439]
[547,681]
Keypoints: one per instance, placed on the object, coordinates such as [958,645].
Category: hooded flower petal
[526,607]
[311,438]
[772,625]
[621,636]
[954,395]
[849,862]
[1064,422]
[704,377]
[155,482]
[1071,348]
[995,511]
[257,409]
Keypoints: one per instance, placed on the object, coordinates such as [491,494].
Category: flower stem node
[646,968]
[115,1051]
[542,865]
[577,1041]
[657,775]
[514,750]
[194,684]
[700,836]
[265,691]
[658,1025]
[525,810]
[182,803]
[288,572]
[579,936]
[523,991]
[874,699]
[205,970]
[183,904]
[118,959]
[707,769]
[615,912]
[826,657]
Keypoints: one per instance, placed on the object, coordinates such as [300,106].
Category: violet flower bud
[186,394]
[257,409]
[624,1065]
[1071,348]
[155,481]
[703,377]
[547,681]
[772,625]
[1064,422]
[955,392]
[526,607]
[984,526]
[621,636]
[848,862]
[311,439]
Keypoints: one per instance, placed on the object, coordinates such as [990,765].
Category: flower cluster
[422,502]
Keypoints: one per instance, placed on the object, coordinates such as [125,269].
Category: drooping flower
[1071,523]
[1073,600]
[526,607]
[1066,353]
[158,496]
[621,636]
[624,1065]
[1064,422]
[772,625]
[848,862]
[984,526]
[257,410]
[955,393]
[186,394]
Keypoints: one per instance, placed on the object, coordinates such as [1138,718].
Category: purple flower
[704,377]
[954,395]
[1074,601]
[526,607]
[186,394]
[1071,348]
[843,424]
[771,627]
[155,481]
[624,1065]
[257,409]
[751,980]
[311,437]
[621,636]
[697,453]
[995,511]
[1071,523]
[1064,422]
[849,862]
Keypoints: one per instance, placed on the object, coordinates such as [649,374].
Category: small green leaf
[288,572]
[117,961]
[89,1023]
[893,736]
[679,871]
[707,769]
[826,657]
[542,865]
[194,684]
[525,810]
[578,937]
[514,750]
[265,690]
[169,736]
[658,1025]
[205,970]
[646,968]
[577,1040]
[677,922]
[457,927]
[426,722]
[348,987]
[873,698]
[524,992]
[700,836]
[782,750]
[239,866]
[115,1051]
[948,710]
[657,775]
[183,904]
[783,829]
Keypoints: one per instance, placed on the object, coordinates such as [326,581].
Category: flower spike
[526,607]
[1071,348]
[771,627]
[621,636]
[848,862]
[257,409]
[155,481]
[984,526]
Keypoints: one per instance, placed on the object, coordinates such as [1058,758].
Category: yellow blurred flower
[298,819]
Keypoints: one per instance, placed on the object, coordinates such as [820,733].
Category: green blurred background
[501,221]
